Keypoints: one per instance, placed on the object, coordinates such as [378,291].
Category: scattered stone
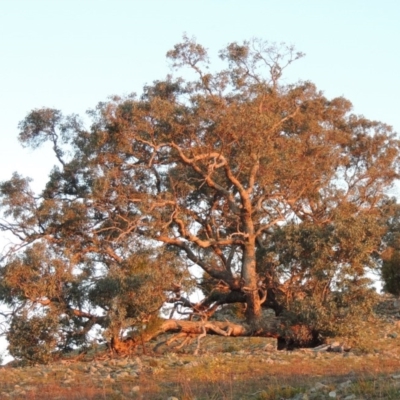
[319,386]
[300,396]
[270,347]
[192,364]
[350,397]
[396,304]
[336,347]
[138,362]
[345,385]
[323,347]
[92,369]
[111,373]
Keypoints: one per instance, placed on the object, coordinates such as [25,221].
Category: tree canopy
[275,192]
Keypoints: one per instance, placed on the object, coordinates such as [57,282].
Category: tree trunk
[249,276]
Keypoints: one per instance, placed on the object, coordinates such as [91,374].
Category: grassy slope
[226,368]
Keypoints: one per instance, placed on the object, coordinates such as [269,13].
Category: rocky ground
[225,368]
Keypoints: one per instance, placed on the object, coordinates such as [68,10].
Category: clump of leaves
[390,256]
[33,339]
[391,271]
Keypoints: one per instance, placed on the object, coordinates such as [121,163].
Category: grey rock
[192,364]
[337,347]
[138,361]
[345,384]
[270,347]
[323,347]
[92,369]
[300,396]
[396,303]
[319,386]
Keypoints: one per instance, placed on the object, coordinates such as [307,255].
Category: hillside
[226,368]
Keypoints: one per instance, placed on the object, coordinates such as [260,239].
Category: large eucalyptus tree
[274,191]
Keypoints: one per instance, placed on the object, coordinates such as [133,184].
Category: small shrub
[32,339]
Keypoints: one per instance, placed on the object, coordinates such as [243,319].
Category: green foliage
[390,270]
[134,293]
[323,270]
[344,314]
[124,298]
[33,339]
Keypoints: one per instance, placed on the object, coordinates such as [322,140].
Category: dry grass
[229,369]
[226,377]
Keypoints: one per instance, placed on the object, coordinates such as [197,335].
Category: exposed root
[188,337]
[288,337]
[203,334]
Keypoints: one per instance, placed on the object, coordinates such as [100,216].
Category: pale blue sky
[70,54]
